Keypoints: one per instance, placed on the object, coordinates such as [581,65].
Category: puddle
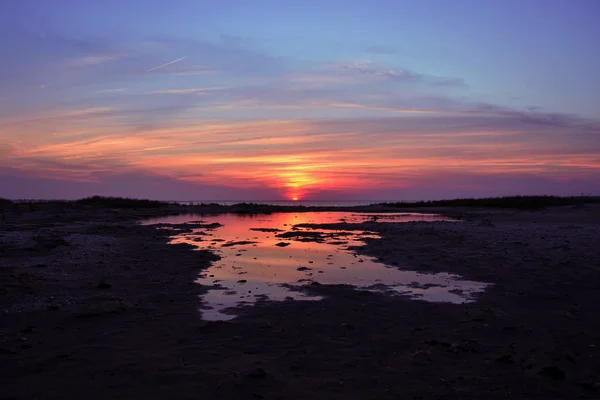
[265,257]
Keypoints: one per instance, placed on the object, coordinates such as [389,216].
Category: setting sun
[295,198]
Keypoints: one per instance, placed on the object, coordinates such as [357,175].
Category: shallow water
[263,265]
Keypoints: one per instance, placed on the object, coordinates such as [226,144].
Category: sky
[314,100]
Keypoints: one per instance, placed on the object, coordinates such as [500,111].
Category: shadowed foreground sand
[95,306]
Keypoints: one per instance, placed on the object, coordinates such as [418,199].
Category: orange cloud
[297,157]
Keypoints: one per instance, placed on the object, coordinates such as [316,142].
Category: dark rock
[50,242]
[28,329]
[421,357]
[239,243]
[553,372]
[303,269]
[486,222]
[258,373]
[570,357]
[266,229]
[282,244]
[434,342]
[591,387]
[506,359]
[7,351]
[104,285]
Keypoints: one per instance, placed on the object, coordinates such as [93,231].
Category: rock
[282,244]
[28,329]
[50,242]
[258,373]
[553,372]
[421,357]
[303,269]
[570,357]
[591,387]
[104,285]
[486,222]
[505,359]
[434,342]
[242,281]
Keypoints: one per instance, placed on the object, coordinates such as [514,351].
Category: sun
[295,198]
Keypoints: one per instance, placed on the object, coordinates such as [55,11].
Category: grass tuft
[120,202]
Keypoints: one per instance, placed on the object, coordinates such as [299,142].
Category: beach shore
[94,305]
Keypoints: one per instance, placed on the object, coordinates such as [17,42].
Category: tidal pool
[268,257]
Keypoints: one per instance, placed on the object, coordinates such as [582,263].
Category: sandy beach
[94,305]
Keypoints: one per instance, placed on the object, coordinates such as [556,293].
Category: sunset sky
[320,100]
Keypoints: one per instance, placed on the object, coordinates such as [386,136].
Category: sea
[312,203]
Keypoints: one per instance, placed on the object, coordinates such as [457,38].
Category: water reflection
[269,257]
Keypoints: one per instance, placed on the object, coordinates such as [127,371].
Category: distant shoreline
[506,202]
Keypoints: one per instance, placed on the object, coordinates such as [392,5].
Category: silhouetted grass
[5,204]
[518,202]
[120,202]
[94,201]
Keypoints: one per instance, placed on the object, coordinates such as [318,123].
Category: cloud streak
[166,64]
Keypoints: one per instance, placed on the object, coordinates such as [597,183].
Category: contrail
[169,63]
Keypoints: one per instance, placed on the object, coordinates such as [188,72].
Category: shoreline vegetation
[507,202]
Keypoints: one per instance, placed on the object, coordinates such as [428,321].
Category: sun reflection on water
[268,257]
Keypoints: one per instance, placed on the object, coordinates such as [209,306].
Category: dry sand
[94,306]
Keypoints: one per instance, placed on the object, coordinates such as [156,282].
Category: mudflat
[94,305]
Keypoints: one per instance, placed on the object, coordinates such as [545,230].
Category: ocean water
[311,203]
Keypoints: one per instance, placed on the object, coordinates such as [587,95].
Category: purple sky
[319,100]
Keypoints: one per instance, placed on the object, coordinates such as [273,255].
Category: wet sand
[95,306]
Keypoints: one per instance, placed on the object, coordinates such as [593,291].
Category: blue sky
[460,90]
